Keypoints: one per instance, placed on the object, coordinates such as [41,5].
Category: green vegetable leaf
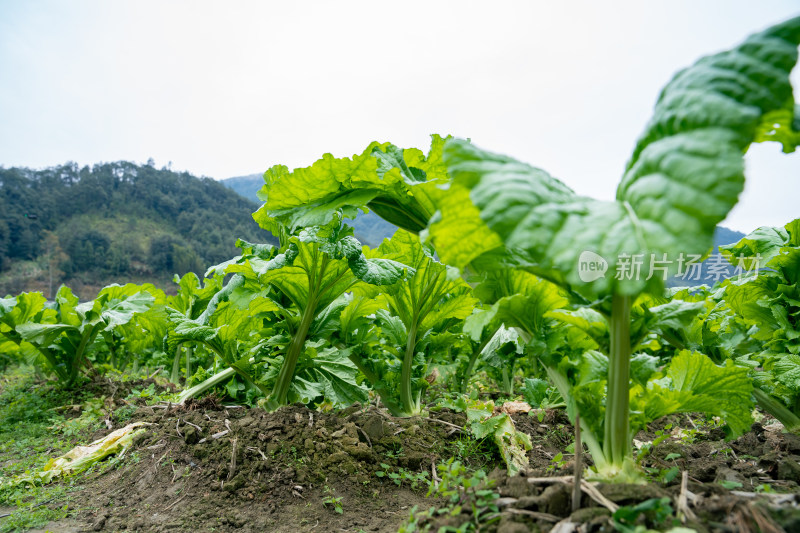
[685,175]
[512,444]
[693,383]
[395,183]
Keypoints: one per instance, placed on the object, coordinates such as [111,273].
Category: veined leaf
[44,334]
[685,175]
[433,294]
[693,383]
[394,183]
[786,369]
[764,243]
[336,375]
[120,304]
[520,299]
[192,298]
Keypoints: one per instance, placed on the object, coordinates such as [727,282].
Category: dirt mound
[206,466]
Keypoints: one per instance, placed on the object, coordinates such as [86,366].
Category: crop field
[514,358]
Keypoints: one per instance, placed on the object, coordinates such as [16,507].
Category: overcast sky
[230,88]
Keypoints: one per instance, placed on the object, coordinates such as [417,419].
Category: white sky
[230,88]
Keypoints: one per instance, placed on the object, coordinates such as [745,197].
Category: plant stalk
[280,394]
[592,443]
[189,354]
[209,383]
[406,394]
[616,438]
[789,420]
[86,339]
[474,358]
[176,364]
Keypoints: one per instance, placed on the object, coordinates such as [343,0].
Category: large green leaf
[394,183]
[372,270]
[25,307]
[693,383]
[44,334]
[685,175]
[192,297]
[433,294]
[786,370]
[336,376]
[355,313]
[763,243]
[119,304]
[520,299]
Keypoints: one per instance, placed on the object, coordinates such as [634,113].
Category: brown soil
[205,467]
[763,460]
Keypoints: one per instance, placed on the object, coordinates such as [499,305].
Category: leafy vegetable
[684,176]
[300,286]
[65,343]
[417,307]
[397,184]
[191,300]
[767,302]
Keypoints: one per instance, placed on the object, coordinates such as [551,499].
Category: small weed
[727,452]
[467,493]
[557,463]
[475,452]
[335,502]
[396,453]
[414,479]
[296,456]
[655,512]
[663,475]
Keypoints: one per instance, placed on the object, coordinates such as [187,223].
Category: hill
[114,222]
[369,228]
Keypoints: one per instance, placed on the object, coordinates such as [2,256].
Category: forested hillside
[114,222]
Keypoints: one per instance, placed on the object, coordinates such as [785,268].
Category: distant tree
[118,260]
[168,254]
[87,250]
[185,260]
[161,255]
[25,244]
